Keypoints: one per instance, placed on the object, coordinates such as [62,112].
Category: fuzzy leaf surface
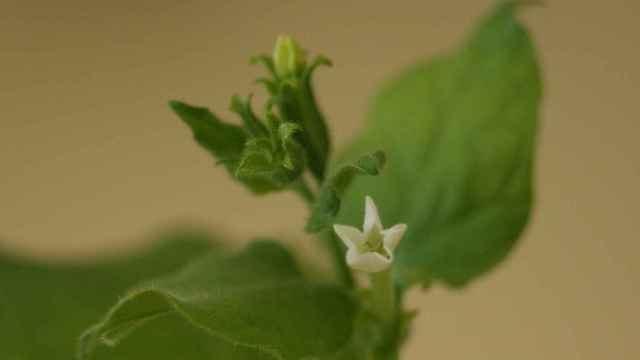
[255,300]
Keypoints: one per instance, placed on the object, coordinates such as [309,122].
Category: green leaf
[263,159]
[259,163]
[460,135]
[251,122]
[328,204]
[224,141]
[260,168]
[44,308]
[171,338]
[265,60]
[256,299]
[266,166]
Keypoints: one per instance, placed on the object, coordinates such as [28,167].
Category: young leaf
[44,308]
[262,158]
[251,122]
[460,135]
[223,141]
[256,300]
[270,164]
[260,167]
[328,204]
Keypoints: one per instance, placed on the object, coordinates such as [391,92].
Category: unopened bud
[288,58]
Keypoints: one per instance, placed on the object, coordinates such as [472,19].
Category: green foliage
[270,163]
[264,158]
[296,102]
[171,338]
[224,141]
[269,157]
[44,308]
[459,132]
[252,124]
[257,299]
[328,204]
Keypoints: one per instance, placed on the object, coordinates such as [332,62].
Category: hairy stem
[301,188]
[383,295]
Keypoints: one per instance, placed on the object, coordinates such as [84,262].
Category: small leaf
[260,157]
[223,141]
[251,122]
[256,299]
[328,204]
[265,60]
[318,61]
[266,166]
[270,85]
[460,133]
[260,169]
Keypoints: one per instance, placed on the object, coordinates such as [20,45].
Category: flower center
[374,243]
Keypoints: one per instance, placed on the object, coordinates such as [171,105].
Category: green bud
[288,58]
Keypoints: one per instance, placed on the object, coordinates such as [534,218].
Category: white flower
[371,250]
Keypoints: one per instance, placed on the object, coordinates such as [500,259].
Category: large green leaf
[256,299]
[171,338]
[459,133]
[44,308]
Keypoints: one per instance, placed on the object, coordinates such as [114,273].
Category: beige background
[91,158]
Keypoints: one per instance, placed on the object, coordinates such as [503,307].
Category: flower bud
[288,58]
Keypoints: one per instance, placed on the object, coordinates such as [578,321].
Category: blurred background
[92,160]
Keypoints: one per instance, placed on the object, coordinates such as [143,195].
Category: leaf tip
[175,105]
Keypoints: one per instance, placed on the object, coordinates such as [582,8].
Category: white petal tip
[371,216]
[349,235]
[393,235]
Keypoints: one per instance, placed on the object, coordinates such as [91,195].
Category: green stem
[331,240]
[301,188]
[383,295]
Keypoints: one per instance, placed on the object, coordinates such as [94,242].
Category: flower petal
[392,236]
[367,262]
[350,236]
[371,217]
